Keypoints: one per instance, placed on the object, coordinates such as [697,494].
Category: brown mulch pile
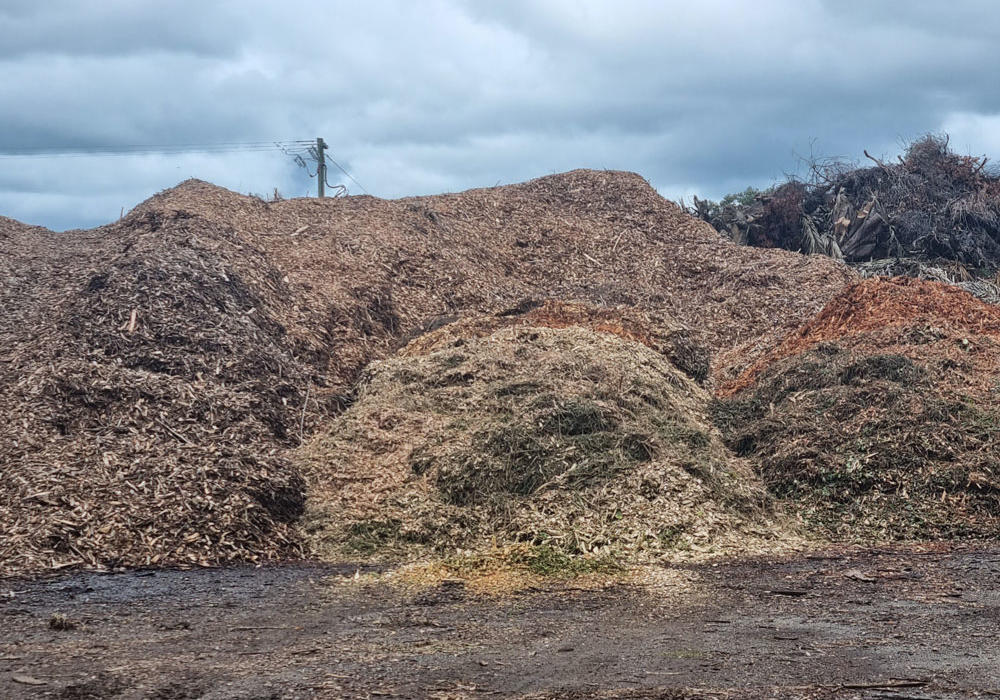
[158,370]
[879,417]
[366,271]
[149,392]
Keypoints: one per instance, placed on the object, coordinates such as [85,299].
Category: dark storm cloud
[416,98]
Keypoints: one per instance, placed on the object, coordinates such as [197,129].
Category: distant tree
[744,198]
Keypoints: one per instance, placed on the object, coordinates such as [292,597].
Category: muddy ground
[903,624]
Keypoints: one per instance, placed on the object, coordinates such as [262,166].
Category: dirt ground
[869,624]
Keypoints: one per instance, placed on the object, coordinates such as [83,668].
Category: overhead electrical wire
[294,148]
[346,173]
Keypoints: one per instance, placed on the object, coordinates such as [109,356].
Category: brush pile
[933,206]
[564,437]
[878,418]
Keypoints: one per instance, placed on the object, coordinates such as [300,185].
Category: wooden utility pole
[321,166]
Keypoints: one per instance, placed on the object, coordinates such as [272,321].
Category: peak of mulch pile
[883,303]
[11,227]
[159,370]
[570,438]
[652,330]
[366,272]
[882,306]
[879,418]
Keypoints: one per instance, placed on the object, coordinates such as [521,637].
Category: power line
[295,148]
[347,174]
[317,152]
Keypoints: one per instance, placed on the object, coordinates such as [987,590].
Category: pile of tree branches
[931,205]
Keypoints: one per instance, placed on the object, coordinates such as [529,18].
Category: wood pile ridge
[365,271]
[158,371]
[653,331]
[879,418]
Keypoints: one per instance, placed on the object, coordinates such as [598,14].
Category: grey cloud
[422,97]
[117,28]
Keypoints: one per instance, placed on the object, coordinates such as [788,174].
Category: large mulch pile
[879,417]
[159,370]
[366,271]
[570,438]
[149,392]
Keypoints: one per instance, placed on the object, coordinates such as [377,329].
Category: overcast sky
[699,97]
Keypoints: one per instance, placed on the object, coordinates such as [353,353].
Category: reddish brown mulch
[883,308]
[878,418]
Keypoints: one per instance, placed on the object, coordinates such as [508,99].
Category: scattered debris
[858,575]
[59,621]
[27,680]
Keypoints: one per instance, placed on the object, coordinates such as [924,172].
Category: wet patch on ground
[879,624]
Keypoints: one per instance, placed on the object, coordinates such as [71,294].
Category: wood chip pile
[157,371]
[366,271]
[879,418]
[149,391]
[569,438]
[883,306]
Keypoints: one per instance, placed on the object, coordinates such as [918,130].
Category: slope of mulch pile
[149,389]
[879,418]
[159,370]
[567,438]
